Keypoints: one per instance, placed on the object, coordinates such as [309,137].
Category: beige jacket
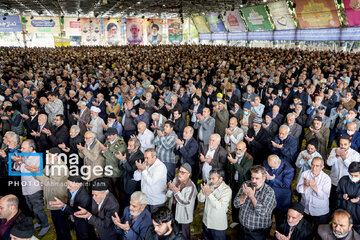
[92,157]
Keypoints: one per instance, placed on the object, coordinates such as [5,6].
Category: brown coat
[92,157]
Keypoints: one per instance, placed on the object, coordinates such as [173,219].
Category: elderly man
[103,207]
[276,116]
[206,126]
[158,121]
[96,124]
[295,128]
[279,177]
[246,117]
[91,155]
[128,120]
[284,145]
[145,136]
[77,196]
[353,134]
[341,227]
[83,117]
[165,146]
[296,227]
[152,173]
[216,195]
[340,160]
[143,116]
[314,186]
[349,195]
[253,197]
[113,123]
[321,133]
[53,107]
[128,167]
[213,156]
[233,135]
[239,168]
[182,193]
[136,218]
[221,116]
[31,187]
[174,105]
[257,107]
[303,161]
[75,139]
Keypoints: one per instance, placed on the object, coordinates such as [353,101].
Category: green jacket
[110,160]
[243,170]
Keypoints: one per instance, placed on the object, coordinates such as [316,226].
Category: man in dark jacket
[164,226]
[75,139]
[77,197]
[104,205]
[59,133]
[179,123]
[41,139]
[239,167]
[348,191]
[31,122]
[296,227]
[284,145]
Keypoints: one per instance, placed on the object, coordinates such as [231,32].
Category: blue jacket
[289,150]
[281,184]
[355,140]
[189,152]
[138,227]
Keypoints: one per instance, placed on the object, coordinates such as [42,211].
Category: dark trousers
[61,225]
[247,234]
[170,170]
[114,188]
[333,200]
[211,234]
[36,205]
[280,216]
[317,220]
[127,134]
[185,228]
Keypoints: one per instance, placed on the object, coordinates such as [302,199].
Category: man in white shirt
[152,174]
[257,107]
[145,136]
[339,160]
[314,186]
[233,135]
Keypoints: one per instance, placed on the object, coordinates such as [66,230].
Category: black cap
[100,184]
[112,115]
[222,101]
[23,229]
[297,207]
[111,131]
[314,142]
[76,179]
[55,150]
[317,118]
[142,106]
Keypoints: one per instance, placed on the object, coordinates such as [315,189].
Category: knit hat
[24,229]
[258,120]
[112,116]
[187,167]
[247,105]
[111,131]
[314,142]
[297,207]
[100,184]
[75,179]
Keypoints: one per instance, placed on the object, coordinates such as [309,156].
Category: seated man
[296,227]
[340,228]
[136,219]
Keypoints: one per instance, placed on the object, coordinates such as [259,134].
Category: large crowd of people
[133,139]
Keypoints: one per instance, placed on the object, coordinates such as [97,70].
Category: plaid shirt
[165,146]
[260,217]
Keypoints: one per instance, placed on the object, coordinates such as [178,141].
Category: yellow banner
[62,41]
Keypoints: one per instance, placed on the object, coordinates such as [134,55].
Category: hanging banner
[62,41]
[256,18]
[175,31]
[112,31]
[90,31]
[134,31]
[215,22]
[234,21]
[10,24]
[281,15]
[317,13]
[352,8]
[201,25]
[72,26]
[155,31]
[42,25]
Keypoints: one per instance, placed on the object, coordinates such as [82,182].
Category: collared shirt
[260,217]
[146,140]
[316,204]
[340,166]
[153,182]
[207,167]
[239,159]
[29,184]
[165,146]
[193,116]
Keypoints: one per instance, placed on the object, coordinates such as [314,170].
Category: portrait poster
[234,21]
[201,24]
[112,31]
[155,31]
[352,8]
[281,16]
[215,22]
[317,13]
[90,31]
[134,31]
[257,18]
[175,31]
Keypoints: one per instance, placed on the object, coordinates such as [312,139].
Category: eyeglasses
[182,172]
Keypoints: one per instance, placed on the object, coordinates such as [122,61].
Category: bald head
[9,206]
[141,127]
[351,126]
[232,123]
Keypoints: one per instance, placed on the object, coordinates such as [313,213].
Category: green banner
[257,18]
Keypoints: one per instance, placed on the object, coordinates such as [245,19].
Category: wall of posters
[72,26]
[234,21]
[155,31]
[134,31]
[317,13]
[42,25]
[90,31]
[352,8]
[112,31]
[215,22]
[281,15]
[256,18]
[175,31]
[201,24]
[10,24]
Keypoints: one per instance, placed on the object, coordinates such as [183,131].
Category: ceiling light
[163,5]
[241,5]
[32,17]
[138,2]
[78,19]
[4,18]
[265,0]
